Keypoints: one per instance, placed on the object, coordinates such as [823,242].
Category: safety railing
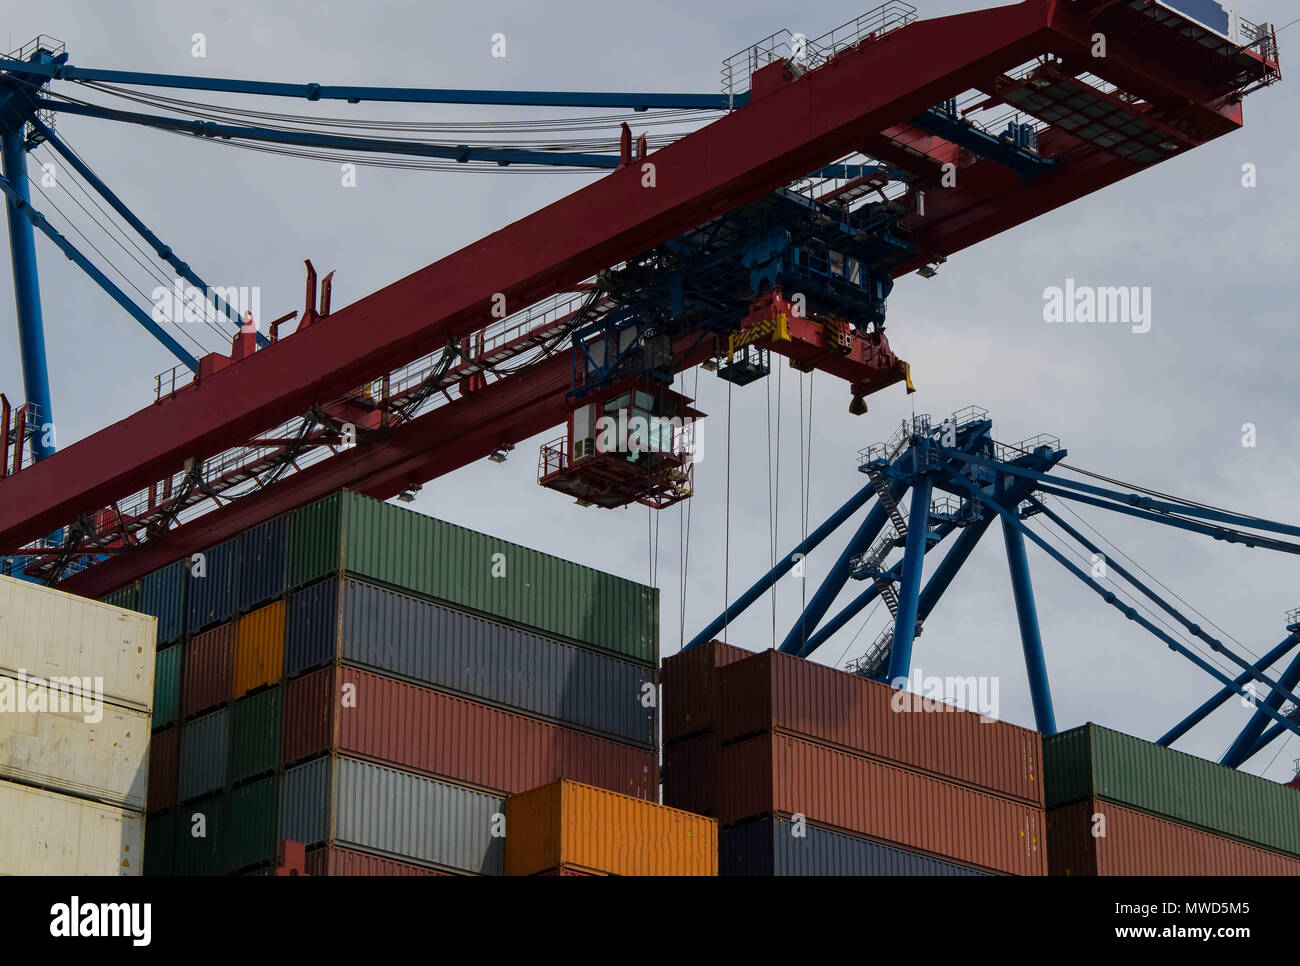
[805,54]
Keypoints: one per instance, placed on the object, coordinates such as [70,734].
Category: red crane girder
[791,127]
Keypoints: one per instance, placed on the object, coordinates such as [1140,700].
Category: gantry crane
[836,165]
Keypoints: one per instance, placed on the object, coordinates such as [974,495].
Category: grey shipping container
[416,639]
[211,591]
[262,554]
[770,847]
[205,745]
[362,805]
[162,595]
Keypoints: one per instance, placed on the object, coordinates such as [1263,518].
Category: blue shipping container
[1208,12]
[422,641]
[772,847]
[162,595]
[263,551]
[205,751]
[212,595]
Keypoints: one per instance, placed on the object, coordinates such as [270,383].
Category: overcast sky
[1164,409]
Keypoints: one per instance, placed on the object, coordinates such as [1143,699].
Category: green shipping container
[159,843]
[1095,761]
[167,686]
[127,597]
[251,824]
[254,735]
[409,551]
[201,838]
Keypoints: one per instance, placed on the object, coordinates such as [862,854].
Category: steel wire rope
[726,542]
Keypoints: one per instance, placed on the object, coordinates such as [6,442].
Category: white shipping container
[44,833]
[47,633]
[105,759]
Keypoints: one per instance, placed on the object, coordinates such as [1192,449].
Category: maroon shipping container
[207,669]
[690,688]
[164,768]
[1136,843]
[772,691]
[422,730]
[791,776]
[690,774]
[332,860]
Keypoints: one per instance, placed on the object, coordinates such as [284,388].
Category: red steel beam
[777,139]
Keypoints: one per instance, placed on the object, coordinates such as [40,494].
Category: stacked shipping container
[330,663]
[76,685]
[811,770]
[1118,805]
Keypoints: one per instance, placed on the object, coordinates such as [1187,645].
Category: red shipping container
[690,688]
[790,776]
[772,691]
[690,774]
[332,860]
[164,769]
[382,719]
[1135,843]
[207,669]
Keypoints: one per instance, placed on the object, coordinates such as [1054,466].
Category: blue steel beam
[460,153]
[1025,163]
[1263,741]
[1191,626]
[761,586]
[27,290]
[839,574]
[164,251]
[24,207]
[1132,500]
[399,95]
[1110,597]
[1223,694]
[1031,639]
[909,583]
[1244,746]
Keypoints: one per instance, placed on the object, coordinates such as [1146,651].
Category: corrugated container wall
[404,549]
[167,686]
[251,824]
[772,691]
[259,649]
[862,796]
[568,824]
[690,688]
[263,554]
[162,594]
[1135,843]
[444,736]
[207,669]
[776,846]
[332,860]
[254,735]
[89,750]
[205,744]
[127,598]
[212,586]
[47,633]
[201,835]
[379,809]
[45,833]
[1091,761]
[159,843]
[164,769]
[471,656]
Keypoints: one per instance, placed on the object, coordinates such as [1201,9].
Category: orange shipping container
[570,825]
[259,649]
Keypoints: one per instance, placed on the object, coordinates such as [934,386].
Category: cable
[726,554]
[865,622]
